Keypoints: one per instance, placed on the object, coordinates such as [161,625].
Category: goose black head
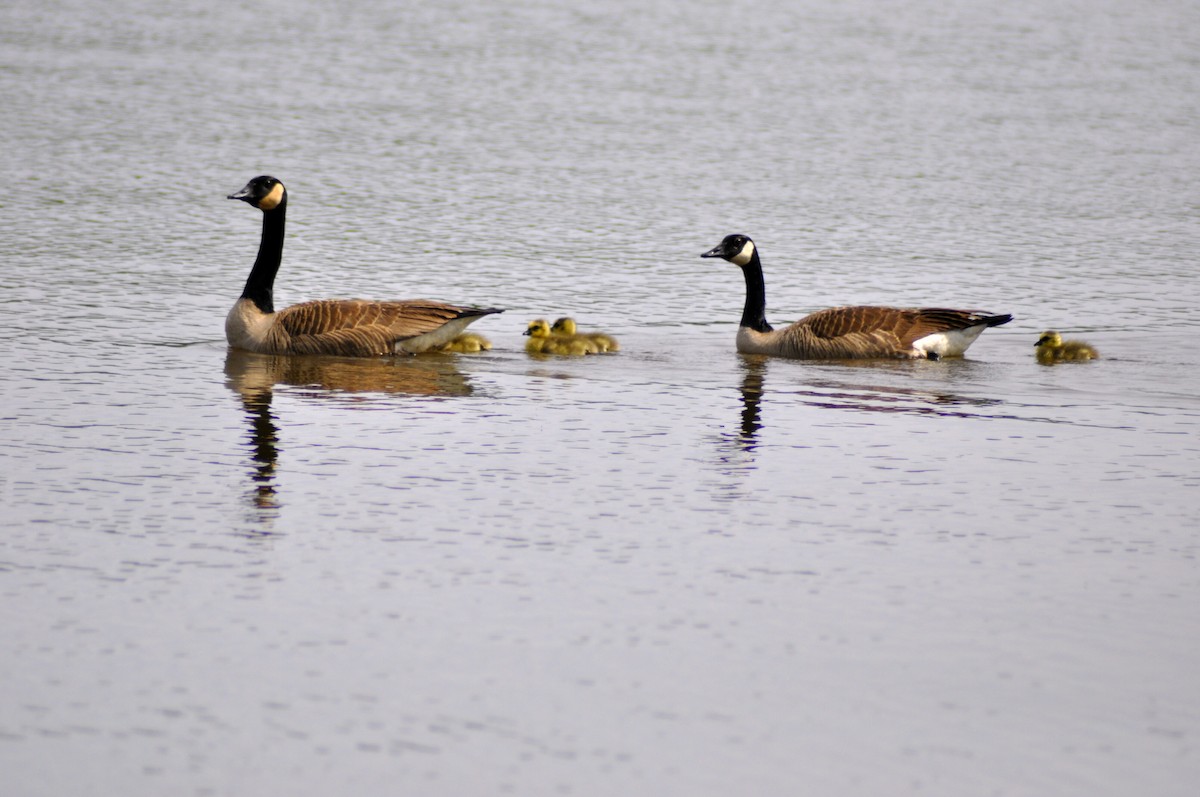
[263,192]
[737,249]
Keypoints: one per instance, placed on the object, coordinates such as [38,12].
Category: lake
[671,570]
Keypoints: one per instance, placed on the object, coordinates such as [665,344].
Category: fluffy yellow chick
[1051,348]
[542,342]
[565,327]
[467,343]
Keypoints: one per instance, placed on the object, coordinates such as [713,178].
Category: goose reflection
[263,437]
[751,389]
[831,386]
[874,395]
[431,375]
[254,377]
[736,456]
[850,394]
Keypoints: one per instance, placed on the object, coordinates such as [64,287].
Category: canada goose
[848,332]
[542,342]
[1051,348]
[347,327]
[467,343]
[566,328]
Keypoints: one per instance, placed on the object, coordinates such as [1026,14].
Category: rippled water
[672,570]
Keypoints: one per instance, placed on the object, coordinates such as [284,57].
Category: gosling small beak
[527,332]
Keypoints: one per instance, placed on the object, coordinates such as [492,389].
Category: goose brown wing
[928,320]
[837,322]
[904,324]
[356,327]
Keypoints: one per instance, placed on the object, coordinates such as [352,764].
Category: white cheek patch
[272,200]
[743,257]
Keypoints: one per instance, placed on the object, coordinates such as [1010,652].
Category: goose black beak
[243,195]
[716,251]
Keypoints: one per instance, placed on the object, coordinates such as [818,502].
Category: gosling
[565,327]
[1051,348]
[467,343]
[542,342]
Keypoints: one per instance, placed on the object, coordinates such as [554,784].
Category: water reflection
[736,449]
[254,377]
[752,388]
[843,393]
[425,375]
[263,438]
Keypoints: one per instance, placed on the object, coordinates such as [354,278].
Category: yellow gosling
[468,343]
[1051,348]
[566,327]
[542,342]
[538,333]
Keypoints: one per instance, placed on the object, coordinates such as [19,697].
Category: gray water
[674,570]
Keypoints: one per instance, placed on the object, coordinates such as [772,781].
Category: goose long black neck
[261,282]
[754,314]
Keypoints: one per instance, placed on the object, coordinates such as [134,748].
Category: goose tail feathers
[477,312]
[997,320]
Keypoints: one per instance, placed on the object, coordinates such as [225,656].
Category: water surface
[671,570]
